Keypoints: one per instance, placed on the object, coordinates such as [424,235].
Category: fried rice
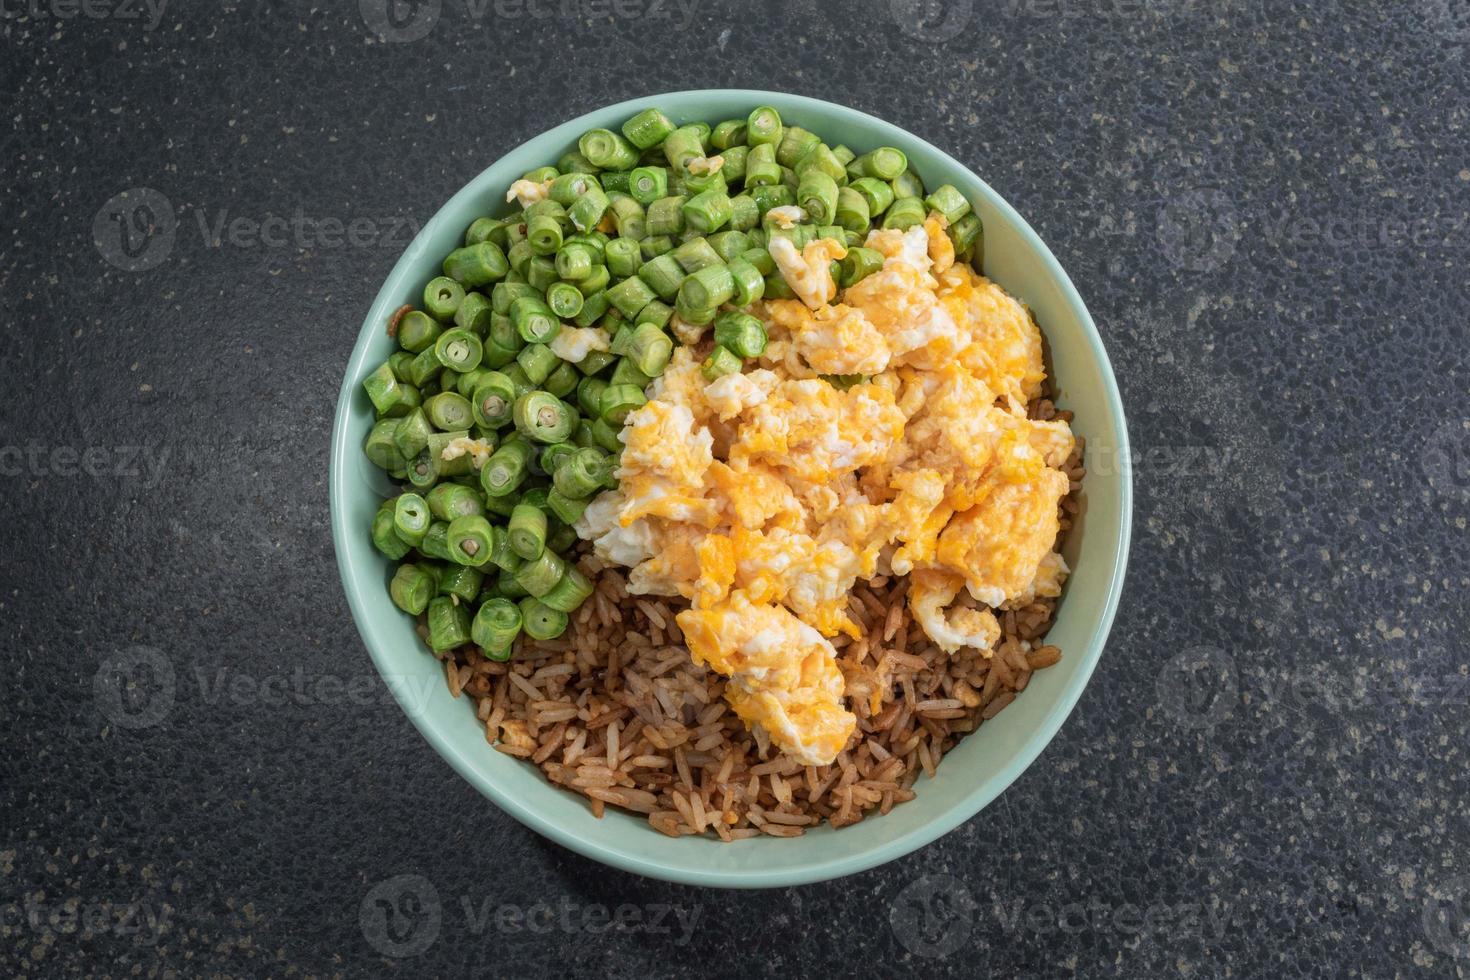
[616,710]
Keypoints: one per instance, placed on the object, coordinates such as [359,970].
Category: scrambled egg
[528,192]
[783,674]
[763,497]
[574,343]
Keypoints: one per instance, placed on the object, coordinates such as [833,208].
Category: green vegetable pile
[658,228]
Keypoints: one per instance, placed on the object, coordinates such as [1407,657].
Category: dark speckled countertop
[1267,208]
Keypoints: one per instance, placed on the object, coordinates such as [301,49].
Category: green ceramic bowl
[981,766]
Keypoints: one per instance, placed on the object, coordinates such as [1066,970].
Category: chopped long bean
[538,361]
[904,213]
[474,313]
[417,331]
[477,265]
[648,128]
[741,334]
[884,163]
[650,349]
[527,530]
[461,581]
[666,215]
[607,150]
[948,201]
[506,468]
[448,411]
[534,320]
[542,416]
[619,400]
[412,588]
[449,623]
[664,275]
[817,196]
[459,349]
[470,540]
[564,299]
[566,509]
[858,264]
[581,474]
[569,593]
[442,297]
[648,184]
[495,627]
[449,501]
[795,144]
[385,536]
[721,361]
[540,575]
[540,621]
[966,232]
[563,381]
[454,464]
[492,402]
[878,194]
[623,257]
[436,541]
[683,145]
[411,518]
[707,212]
[749,284]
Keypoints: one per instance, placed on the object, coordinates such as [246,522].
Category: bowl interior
[981,766]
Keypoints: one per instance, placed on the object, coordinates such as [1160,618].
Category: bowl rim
[607,851]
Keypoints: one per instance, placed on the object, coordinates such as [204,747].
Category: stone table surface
[1264,205]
